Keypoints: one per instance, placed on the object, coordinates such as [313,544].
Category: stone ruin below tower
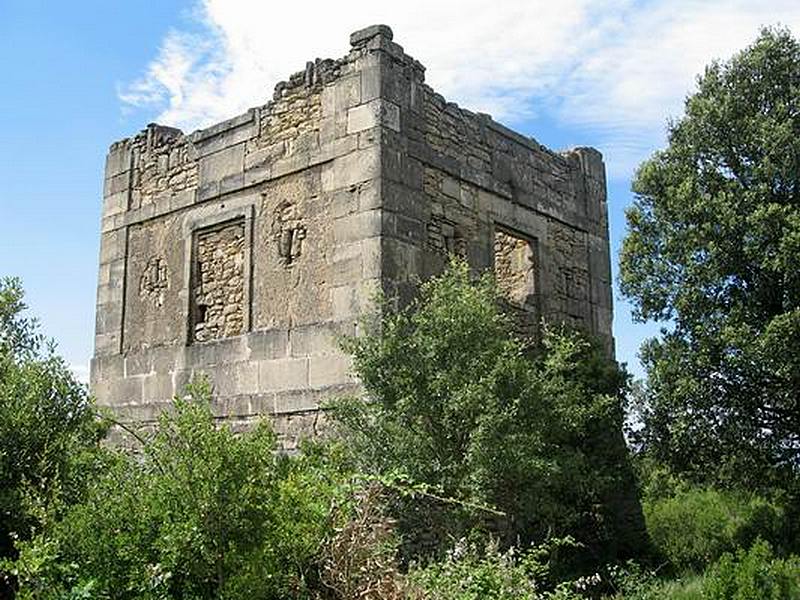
[242,250]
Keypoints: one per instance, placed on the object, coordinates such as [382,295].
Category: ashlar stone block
[373,114]
[283,374]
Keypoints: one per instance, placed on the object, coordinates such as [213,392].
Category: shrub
[359,558]
[202,513]
[694,526]
[483,572]
[633,582]
[458,402]
[754,574]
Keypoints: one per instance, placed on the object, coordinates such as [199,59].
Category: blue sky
[79,75]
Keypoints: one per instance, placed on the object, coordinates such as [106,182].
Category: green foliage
[754,574]
[749,574]
[202,513]
[695,525]
[633,582]
[49,435]
[713,245]
[471,572]
[457,402]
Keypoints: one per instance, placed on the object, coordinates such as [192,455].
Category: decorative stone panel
[218,282]
[515,268]
[516,272]
[154,281]
[289,231]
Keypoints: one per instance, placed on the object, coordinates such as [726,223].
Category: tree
[713,247]
[49,434]
[456,402]
[201,512]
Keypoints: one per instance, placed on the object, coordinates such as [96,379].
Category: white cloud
[614,69]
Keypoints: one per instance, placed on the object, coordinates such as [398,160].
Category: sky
[77,76]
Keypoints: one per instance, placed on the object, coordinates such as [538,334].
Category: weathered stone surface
[324,371]
[364,35]
[243,250]
[283,374]
[217,303]
[371,114]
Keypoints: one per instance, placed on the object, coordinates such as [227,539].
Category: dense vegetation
[713,244]
[461,405]
[49,435]
[478,465]
[201,513]
[467,435]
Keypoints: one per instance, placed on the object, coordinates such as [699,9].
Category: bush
[202,513]
[458,402]
[359,558]
[754,574]
[484,572]
[695,525]
[633,582]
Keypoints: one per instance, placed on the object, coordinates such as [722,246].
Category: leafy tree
[713,246]
[457,403]
[49,435]
[203,512]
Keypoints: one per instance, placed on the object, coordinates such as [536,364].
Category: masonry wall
[458,182]
[242,250]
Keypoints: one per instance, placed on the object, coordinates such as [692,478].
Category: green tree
[49,434]
[456,402]
[713,247]
[202,512]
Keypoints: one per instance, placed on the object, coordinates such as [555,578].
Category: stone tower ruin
[242,250]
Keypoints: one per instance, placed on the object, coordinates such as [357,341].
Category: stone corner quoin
[244,249]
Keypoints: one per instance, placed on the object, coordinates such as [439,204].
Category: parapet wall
[243,250]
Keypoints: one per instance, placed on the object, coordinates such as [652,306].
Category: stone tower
[243,249]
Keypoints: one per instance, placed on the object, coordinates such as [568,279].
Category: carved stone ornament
[154,281]
[288,231]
